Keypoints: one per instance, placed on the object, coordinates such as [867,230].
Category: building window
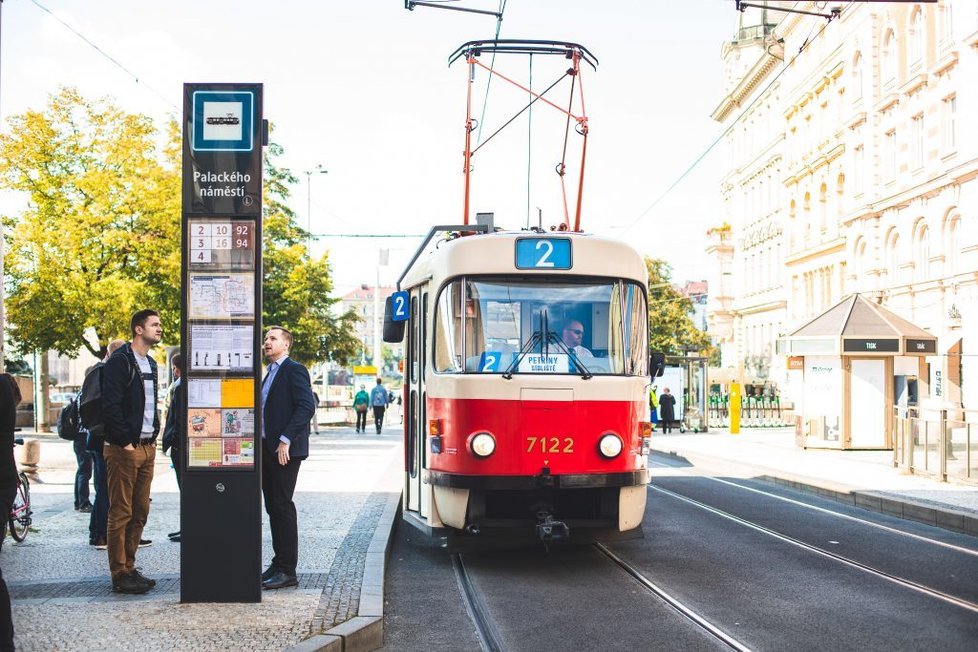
[857,77]
[889,155]
[916,45]
[922,262]
[892,257]
[947,22]
[858,160]
[917,141]
[952,250]
[823,223]
[888,62]
[949,110]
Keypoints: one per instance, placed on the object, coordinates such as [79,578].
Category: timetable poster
[221,347]
[221,245]
[222,296]
[221,392]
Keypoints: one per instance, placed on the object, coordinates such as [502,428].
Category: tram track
[485,627]
[672,601]
[890,577]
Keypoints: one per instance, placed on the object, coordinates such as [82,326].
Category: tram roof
[495,253]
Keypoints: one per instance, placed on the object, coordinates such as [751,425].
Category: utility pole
[318,170]
[382,259]
[3,314]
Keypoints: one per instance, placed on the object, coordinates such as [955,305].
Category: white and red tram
[513,426]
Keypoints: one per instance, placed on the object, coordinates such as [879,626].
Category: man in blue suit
[287,407]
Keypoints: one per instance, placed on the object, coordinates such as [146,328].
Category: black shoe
[175,539]
[143,543]
[142,578]
[128,583]
[280,580]
[174,534]
[269,573]
[86,508]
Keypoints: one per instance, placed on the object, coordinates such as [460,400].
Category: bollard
[30,453]
[735,408]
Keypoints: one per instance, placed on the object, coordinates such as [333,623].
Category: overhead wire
[733,123]
[105,54]
[492,65]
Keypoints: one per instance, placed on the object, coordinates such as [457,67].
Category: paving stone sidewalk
[60,586]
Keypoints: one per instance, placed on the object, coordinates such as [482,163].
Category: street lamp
[318,170]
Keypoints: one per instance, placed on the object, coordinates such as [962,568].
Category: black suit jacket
[289,408]
[172,430]
[8,468]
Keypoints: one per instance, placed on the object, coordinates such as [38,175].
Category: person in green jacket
[653,406]
[361,404]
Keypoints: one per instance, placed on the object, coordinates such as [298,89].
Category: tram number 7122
[550,444]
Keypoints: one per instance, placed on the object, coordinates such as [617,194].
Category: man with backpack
[69,428]
[130,386]
[93,434]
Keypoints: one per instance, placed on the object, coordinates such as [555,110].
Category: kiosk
[853,359]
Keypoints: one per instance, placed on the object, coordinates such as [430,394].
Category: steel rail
[485,626]
[682,609]
[830,512]
[934,593]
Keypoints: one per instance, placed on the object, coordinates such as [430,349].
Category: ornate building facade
[853,167]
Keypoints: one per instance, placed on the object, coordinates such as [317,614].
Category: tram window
[541,326]
[448,331]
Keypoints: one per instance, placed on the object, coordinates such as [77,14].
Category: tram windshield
[565,326]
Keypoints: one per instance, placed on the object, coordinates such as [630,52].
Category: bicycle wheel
[20,512]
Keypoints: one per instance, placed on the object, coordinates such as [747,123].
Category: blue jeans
[98,523]
[84,472]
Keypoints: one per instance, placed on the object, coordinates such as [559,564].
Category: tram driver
[572,336]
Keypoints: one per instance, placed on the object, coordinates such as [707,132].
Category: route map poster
[222,296]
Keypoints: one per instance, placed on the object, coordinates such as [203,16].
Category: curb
[943,516]
[365,631]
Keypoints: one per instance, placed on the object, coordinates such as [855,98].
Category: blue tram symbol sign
[399,303]
[223,121]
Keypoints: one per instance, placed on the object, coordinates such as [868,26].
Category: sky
[363,88]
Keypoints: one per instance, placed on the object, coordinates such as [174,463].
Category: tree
[100,236]
[296,287]
[671,329]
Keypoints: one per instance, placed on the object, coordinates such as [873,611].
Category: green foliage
[297,288]
[671,329]
[100,236]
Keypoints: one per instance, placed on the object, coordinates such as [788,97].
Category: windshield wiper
[530,343]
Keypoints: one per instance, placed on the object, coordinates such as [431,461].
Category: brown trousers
[130,474]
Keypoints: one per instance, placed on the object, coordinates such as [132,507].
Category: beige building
[361,301]
[852,151]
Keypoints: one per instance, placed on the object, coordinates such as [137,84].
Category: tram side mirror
[395,316]
[657,363]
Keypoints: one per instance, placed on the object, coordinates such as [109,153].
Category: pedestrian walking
[83,473]
[653,406]
[173,429]
[95,442]
[130,386]
[361,404]
[667,409]
[379,400]
[9,398]
[287,406]
[315,413]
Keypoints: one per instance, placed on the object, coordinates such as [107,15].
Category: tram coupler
[549,530]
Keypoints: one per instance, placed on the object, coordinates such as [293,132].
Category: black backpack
[90,400]
[69,425]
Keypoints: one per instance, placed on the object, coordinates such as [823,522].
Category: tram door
[416,420]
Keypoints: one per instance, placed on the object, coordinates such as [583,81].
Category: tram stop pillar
[735,408]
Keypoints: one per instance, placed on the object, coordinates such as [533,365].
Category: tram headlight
[610,445]
[482,444]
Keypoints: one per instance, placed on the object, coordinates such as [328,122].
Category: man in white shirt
[572,336]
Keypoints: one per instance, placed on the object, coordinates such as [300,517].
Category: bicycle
[20,512]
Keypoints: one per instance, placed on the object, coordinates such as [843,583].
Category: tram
[527,368]
[526,387]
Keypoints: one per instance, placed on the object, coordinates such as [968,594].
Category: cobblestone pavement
[60,585]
